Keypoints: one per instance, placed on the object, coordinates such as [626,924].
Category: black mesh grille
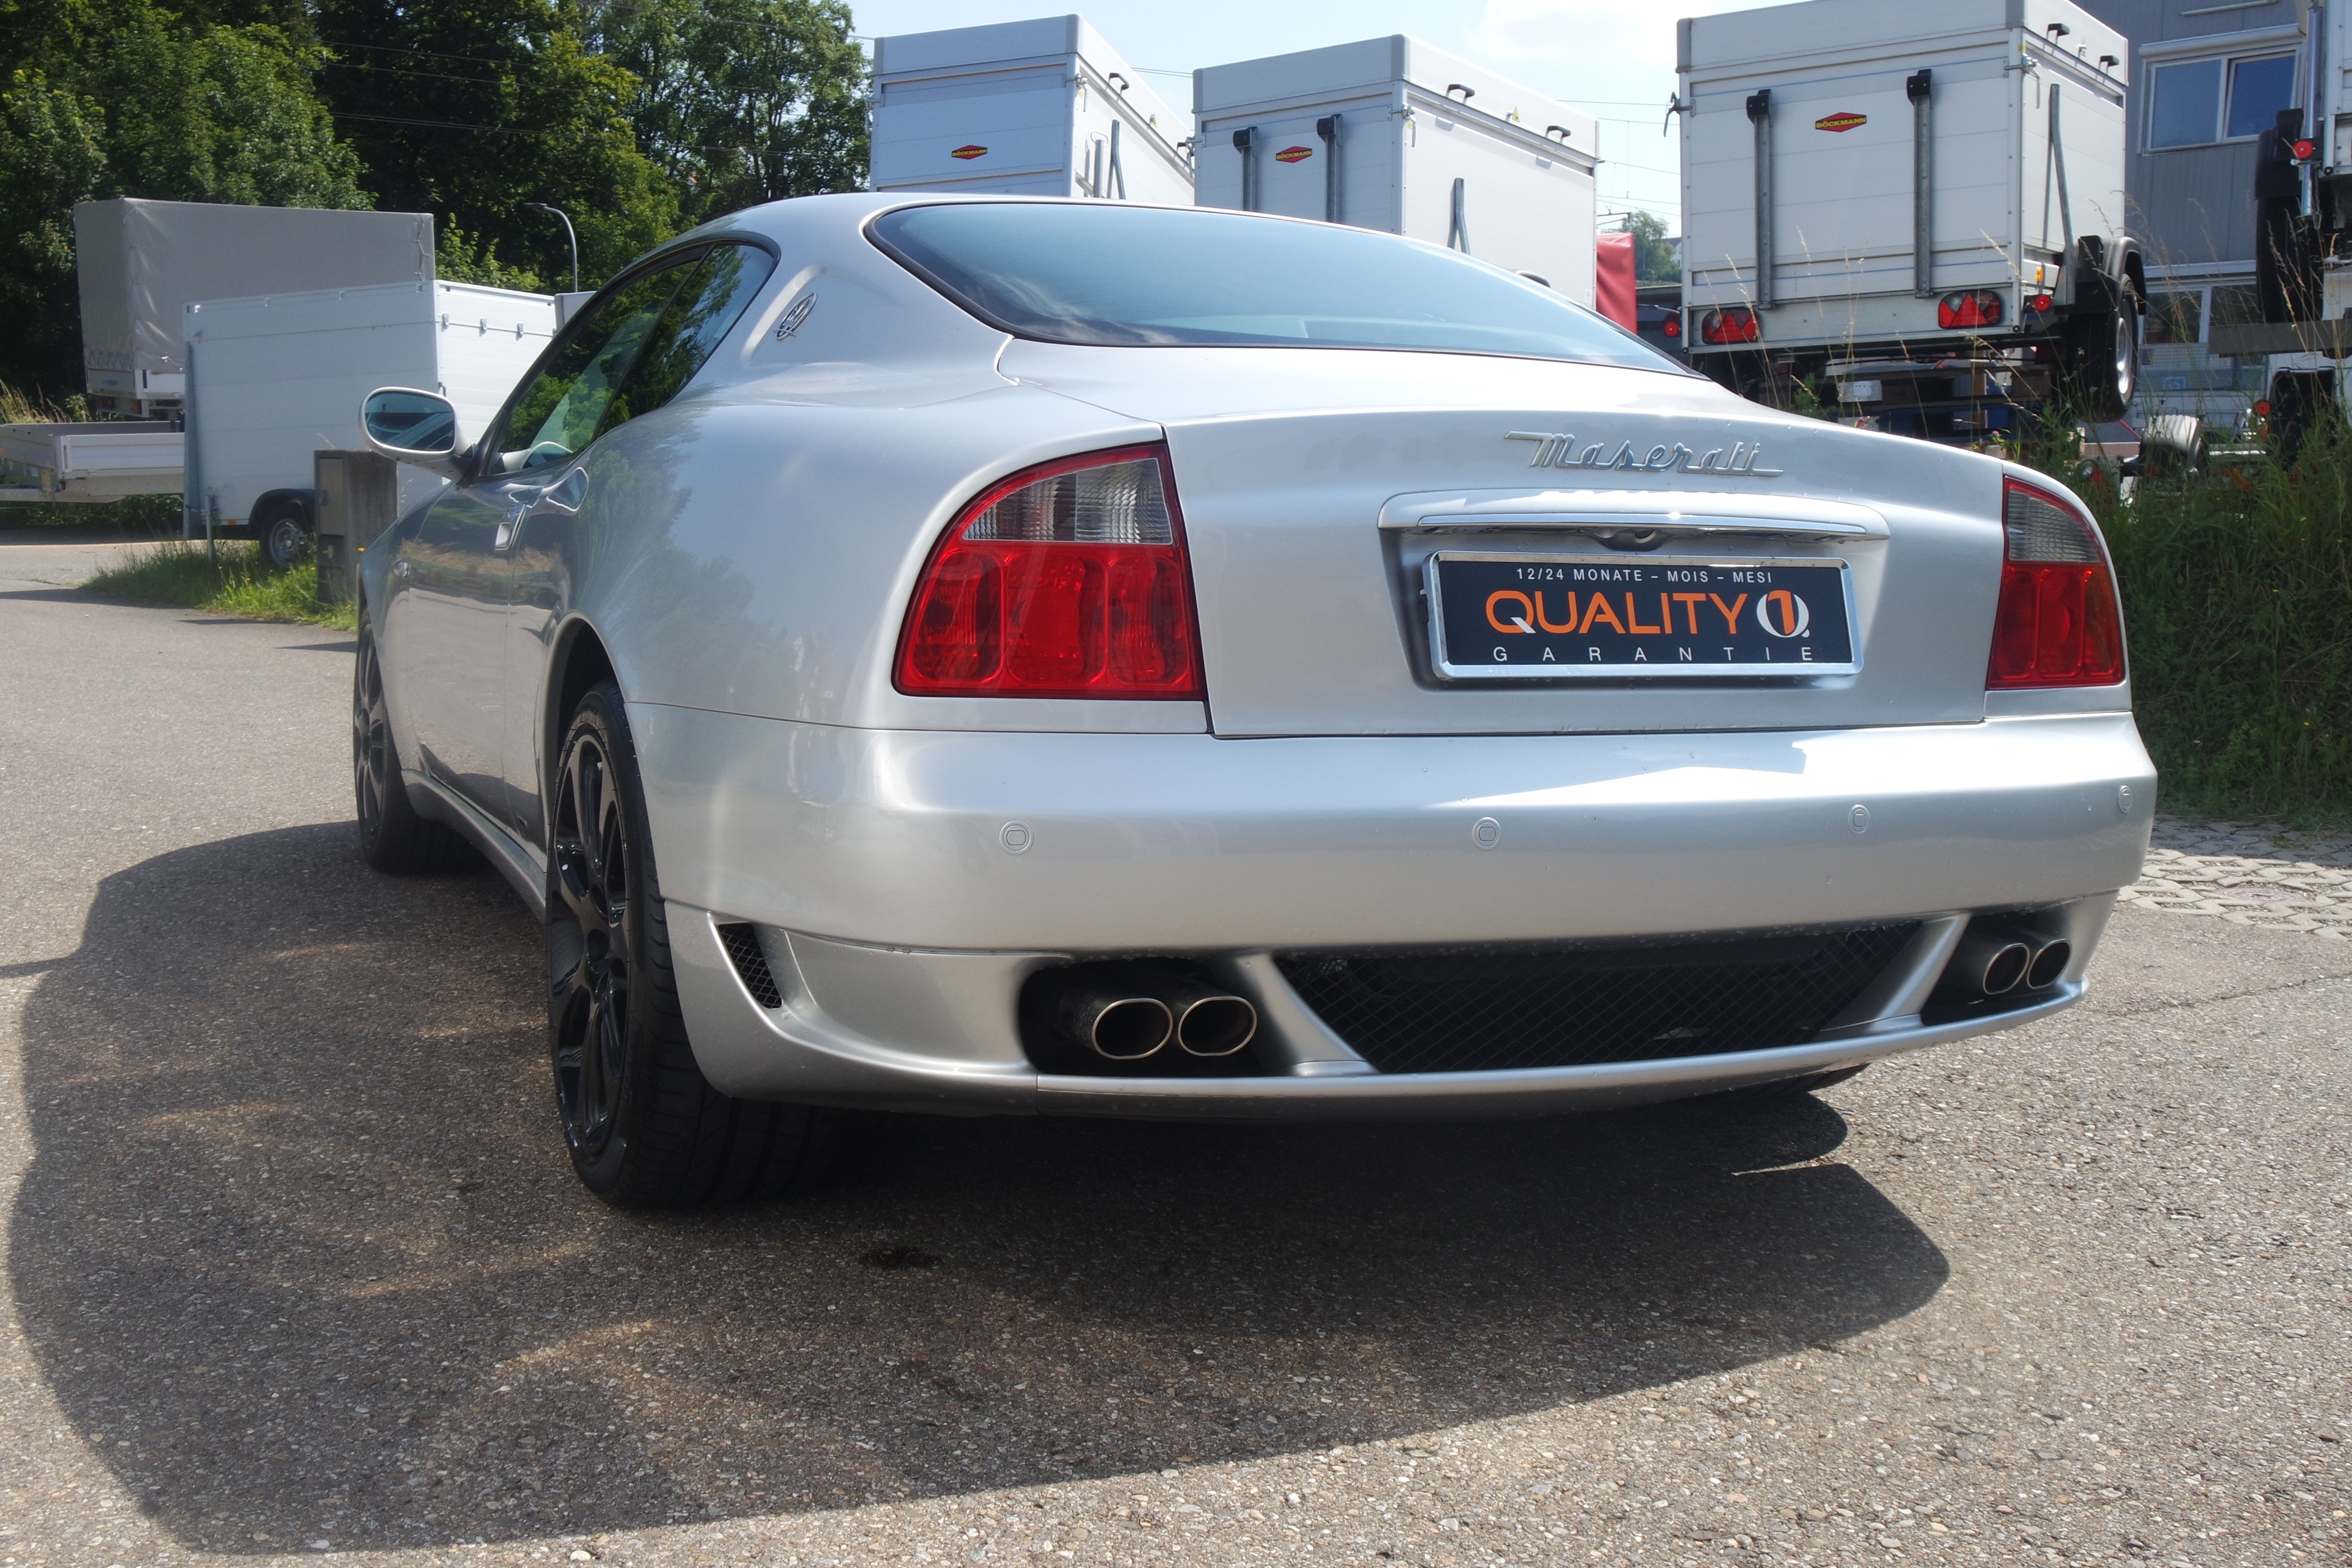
[742,945]
[1487,1009]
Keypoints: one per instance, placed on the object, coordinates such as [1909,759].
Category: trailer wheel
[2102,355]
[282,527]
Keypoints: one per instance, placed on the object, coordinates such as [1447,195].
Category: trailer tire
[2101,363]
[281,526]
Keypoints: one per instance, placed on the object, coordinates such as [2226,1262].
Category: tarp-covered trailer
[1935,190]
[1037,108]
[1396,134]
[139,263]
[274,379]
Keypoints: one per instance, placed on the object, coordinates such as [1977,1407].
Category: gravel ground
[295,1264]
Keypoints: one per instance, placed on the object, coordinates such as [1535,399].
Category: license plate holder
[1534,618]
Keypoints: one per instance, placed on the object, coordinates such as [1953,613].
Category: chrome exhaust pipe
[2050,959]
[1990,963]
[1110,1015]
[1212,1022]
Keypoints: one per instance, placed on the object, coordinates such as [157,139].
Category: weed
[232,580]
[2237,589]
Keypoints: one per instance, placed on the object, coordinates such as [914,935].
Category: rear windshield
[1111,276]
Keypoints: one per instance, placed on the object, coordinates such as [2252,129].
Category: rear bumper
[906,883]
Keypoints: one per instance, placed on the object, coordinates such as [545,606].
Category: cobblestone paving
[2251,873]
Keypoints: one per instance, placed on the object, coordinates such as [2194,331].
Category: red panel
[1613,280]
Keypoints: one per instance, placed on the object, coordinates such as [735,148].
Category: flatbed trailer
[91,461]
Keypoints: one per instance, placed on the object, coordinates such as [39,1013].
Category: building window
[2197,102]
[2178,318]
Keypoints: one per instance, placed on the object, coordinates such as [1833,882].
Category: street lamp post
[569,234]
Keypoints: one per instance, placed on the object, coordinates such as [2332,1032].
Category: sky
[1612,59]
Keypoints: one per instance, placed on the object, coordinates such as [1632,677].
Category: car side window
[564,406]
[705,306]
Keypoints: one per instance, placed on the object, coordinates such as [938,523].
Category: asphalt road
[294,1264]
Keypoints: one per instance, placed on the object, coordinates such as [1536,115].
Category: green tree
[122,98]
[50,157]
[472,108]
[745,100]
[1655,259]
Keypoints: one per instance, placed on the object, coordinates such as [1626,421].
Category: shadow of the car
[300,1257]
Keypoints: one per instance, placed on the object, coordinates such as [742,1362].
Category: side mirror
[412,427]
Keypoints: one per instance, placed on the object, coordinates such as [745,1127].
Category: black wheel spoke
[588,997]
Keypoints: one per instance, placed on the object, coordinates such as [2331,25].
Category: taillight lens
[2058,622]
[1969,308]
[1065,580]
[1672,326]
[1736,325]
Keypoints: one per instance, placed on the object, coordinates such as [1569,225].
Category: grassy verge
[2237,589]
[233,582]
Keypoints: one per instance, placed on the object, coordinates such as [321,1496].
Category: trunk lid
[1317,484]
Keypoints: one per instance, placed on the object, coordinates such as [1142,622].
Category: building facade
[2207,79]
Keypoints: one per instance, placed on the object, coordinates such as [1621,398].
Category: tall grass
[233,581]
[2237,589]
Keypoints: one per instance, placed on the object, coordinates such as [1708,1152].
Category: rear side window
[1108,276]
[634,350]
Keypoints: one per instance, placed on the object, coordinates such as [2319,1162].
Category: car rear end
[1510,735]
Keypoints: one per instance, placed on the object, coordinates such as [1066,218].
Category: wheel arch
[580,659]
[304,501]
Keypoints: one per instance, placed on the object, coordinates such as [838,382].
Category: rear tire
[2102,356]
[644,1128]
[392,837]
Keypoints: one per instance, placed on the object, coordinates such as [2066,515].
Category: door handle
[565,495]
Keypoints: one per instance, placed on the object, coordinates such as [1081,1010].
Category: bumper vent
[742,945]
[1494,1008]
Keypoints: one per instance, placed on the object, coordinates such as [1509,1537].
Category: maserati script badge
[1557,449]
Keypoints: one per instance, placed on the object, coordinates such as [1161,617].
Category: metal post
[1327,128]
[569,234]
[1919,88]
[1458,228]
[1118,174]
[1245,142]
[2065,209]
[1759,114]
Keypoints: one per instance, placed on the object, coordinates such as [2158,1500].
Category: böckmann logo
[969,150]
[1294,154]
[1778,614]
[1843,120]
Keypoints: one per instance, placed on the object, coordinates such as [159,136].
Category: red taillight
[1065,580]
[1969,308]
[1672,327]
[2305,151]
[1736,325]
[2058,622]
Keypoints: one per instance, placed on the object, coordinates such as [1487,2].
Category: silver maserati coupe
[992,655]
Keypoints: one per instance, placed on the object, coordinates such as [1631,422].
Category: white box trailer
[1392,133]
[1922,180]
[274,379]
[1037,108]
[139,263]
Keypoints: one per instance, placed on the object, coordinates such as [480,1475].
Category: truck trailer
[1918,202]
[1037,108]
[139,263]
[1395,134]
[274,379]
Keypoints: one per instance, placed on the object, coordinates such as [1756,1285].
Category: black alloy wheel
[644,1128]
[591,868]
[392,837]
